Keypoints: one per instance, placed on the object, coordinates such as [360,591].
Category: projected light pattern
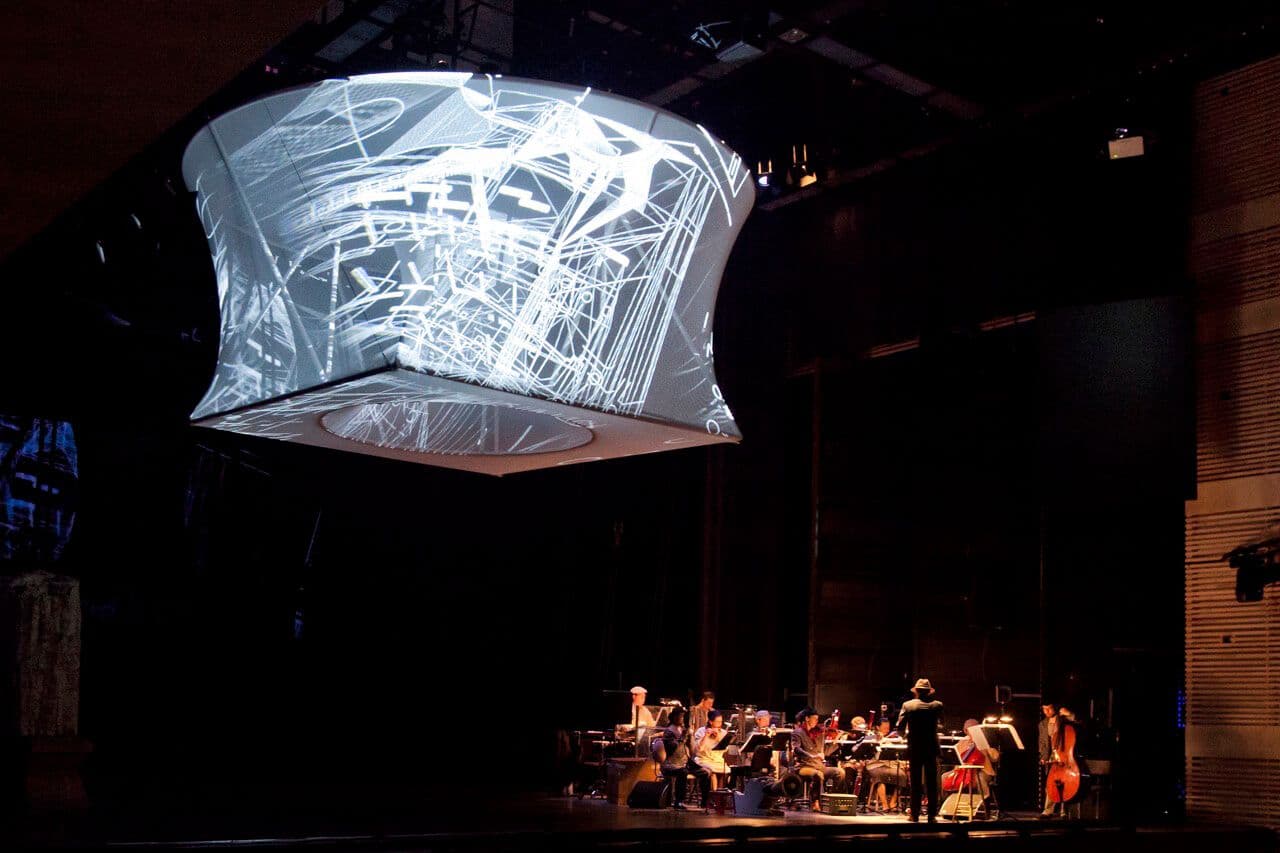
[454,428]
[38,473]
[365,414]
[498,232]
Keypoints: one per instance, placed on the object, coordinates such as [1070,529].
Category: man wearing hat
[922,715]
[809,757]
[641,716]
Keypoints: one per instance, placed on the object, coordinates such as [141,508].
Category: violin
[1063,781]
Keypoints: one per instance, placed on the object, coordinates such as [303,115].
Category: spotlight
[801,170]
[1257,565]
[1006,719]
[989,720]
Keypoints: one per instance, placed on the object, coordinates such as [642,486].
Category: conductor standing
[922,716]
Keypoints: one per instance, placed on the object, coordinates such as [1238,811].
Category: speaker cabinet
[650,795]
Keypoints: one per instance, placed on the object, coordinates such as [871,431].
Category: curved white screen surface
[521,237]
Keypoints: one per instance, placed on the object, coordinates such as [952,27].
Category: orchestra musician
[921,716]
[884,731]
[809,757]
[855,770]
[886,770]
[641,717]
[671,751]
[705,755]
[698,713]
[970,753]
[1047,731]
[1063,720]
[762,722]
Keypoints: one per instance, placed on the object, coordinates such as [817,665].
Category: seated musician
[888,769]
[854,767]
[747,725]
[762,723]
[671,751]
[760,760]
[809,757]
[639,714]
[705,754]
[959,779]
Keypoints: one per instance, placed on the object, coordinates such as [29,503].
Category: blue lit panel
[527,238]
[38,468]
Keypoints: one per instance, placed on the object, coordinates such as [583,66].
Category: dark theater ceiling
[856,86]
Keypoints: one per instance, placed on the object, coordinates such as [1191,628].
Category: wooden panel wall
[1233,649]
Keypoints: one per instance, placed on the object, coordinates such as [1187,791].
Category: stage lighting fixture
[802,173]
[1257,566]
[764,173]
[1123,144]
[480,273]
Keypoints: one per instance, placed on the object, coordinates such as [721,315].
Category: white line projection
[525,237]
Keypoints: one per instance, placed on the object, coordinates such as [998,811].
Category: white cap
[638,689]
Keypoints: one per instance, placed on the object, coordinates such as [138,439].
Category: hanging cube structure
[476,272]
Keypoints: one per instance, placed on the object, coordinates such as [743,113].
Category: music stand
[1001,736]
[724,741]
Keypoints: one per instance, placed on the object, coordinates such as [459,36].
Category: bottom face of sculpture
[401,414]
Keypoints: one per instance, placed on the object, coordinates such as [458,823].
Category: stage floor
[537,822]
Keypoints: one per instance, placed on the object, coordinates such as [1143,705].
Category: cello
[1062,784]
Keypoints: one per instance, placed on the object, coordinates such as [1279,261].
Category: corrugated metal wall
[1233,649]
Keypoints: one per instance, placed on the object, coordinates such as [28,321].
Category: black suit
[922,720]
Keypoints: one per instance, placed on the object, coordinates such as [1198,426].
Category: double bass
[1062,785]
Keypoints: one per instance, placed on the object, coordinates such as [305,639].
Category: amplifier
[845,804]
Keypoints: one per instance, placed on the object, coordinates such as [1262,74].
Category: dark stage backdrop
[997,496]
[434,606]
[437,606]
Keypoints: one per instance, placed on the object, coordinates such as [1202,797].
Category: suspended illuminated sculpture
[474,272]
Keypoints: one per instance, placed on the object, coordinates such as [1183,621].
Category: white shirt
[644,720]
[704,753]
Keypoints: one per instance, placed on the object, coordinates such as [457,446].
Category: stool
[962,801]
[1099,772]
